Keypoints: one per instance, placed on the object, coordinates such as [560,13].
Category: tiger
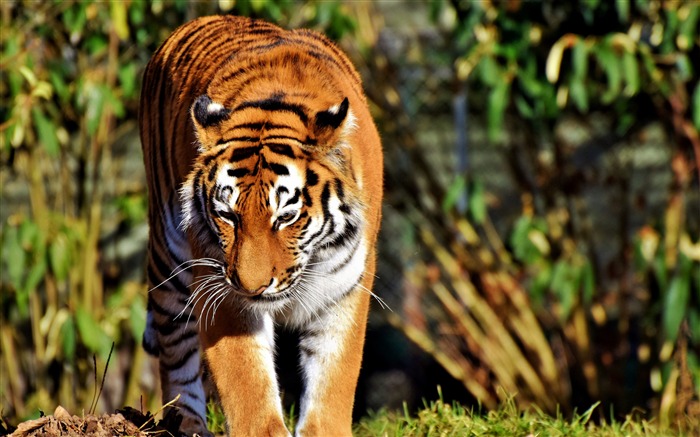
[264,173]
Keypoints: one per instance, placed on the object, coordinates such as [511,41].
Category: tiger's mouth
[275,297]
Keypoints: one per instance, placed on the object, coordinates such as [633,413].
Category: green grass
[438,418]
[441,419]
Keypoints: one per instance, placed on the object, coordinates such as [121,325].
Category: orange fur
[275,106]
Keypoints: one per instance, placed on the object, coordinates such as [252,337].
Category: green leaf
[676,304]
[127,78]
[28,235]
[565,284]
[95,100]
[137,319]
[258,5]
[623,10]
[630,69]
[59,86]
[92,334]
[579,60]
[68,340]
[660,270]
[524,249]
[454,192]
[96,45]
[119,20]
[490,71]
[578,93]
[60,257]
[15,257]
[137,12]
[435,7]
[497,103]
[35,276]
[540,284]
[477,202]
[47,132]
[75,18]
[524,108]
[611,65]
[519,238]
[114,102]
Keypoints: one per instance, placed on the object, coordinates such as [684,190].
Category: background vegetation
[542,224]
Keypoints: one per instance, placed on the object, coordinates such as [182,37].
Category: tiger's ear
[207,115]
[327,130]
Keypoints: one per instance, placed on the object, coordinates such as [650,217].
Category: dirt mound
[125,422]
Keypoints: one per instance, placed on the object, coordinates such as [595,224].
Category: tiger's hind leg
[171,334]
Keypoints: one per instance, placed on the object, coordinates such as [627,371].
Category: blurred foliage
[573,303]
[70,84]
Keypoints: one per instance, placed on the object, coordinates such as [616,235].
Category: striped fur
[264,173]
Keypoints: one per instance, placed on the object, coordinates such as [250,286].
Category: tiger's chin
[292,307]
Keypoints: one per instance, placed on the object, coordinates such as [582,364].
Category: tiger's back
[264,172]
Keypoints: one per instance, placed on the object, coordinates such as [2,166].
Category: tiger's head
[272,197]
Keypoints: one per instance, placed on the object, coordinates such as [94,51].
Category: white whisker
[320,275]
[199,262]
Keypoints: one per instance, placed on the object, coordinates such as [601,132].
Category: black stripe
[248,68]
[184,336]
[210,157]
[245,139]
[151,349]
[339,190]
[212,172]
[265,47]
[173,325]
[349,232]
[325,199]
[317,235]
[238,172]
[275,104]
[307,198]
[186,381]
[164,271]
[155,307]
[347,259]
[241,153]
[257,74]
[185,406]
[281,149]
[161,142]
[294,198]
[180,362]
[252,126]
[193,37]
[279,169]
[311,177]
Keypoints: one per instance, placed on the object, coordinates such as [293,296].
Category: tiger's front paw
[179,424]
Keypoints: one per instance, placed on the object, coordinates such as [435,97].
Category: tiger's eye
[286,217]
[230,216]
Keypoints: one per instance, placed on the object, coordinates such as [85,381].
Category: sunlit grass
[438,418]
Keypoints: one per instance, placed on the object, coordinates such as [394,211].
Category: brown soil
[125,422]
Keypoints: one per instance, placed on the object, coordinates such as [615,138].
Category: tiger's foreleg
[239,353]
[331,354]
[171,334]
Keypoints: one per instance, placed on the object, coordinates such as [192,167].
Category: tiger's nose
[250,289]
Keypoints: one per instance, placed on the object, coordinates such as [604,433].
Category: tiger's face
[269,200]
